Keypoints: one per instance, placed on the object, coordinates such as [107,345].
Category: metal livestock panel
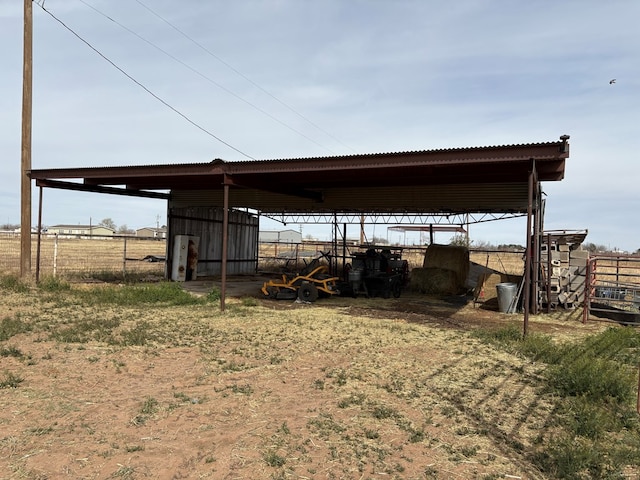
[206,223]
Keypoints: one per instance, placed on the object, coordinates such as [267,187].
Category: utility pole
[25,184]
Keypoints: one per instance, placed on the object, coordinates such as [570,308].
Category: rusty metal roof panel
[458,179]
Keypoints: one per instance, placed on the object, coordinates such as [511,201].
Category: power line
[236,71]
[164,102]
[203,75]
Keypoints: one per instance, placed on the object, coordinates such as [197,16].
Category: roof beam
[98,189]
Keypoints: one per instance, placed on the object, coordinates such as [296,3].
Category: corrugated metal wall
[206,223]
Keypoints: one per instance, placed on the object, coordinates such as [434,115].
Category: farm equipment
[312,281]
[378,273]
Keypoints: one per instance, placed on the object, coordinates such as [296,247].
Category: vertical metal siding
[206,223]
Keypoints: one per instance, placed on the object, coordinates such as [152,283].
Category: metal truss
[389,218]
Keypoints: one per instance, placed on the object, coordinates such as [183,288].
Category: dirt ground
[341,389]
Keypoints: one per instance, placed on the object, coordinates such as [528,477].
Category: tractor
[378,272]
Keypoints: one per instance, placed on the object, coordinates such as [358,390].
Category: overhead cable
[236,71]
[161,100]
[222,87]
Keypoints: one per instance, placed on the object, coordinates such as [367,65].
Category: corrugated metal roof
[476,179]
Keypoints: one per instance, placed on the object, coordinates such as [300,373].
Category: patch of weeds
[10,327]
[234,367]
[594,381]
[470,451]
[138,335]
[38,431]
[242,389]
[183,397]
[448,411]
[162,293]
[599,379]
[272,459]
[371,434]
[357,398]
[11,351]
[394,385]
[209,459]
[85,330]
[339,376]
[13,283]
[10,380]
[431,472]
[249,302]
[325,425]
[51,284]
[150,406]
[214,295]
[587,419]
[416,436]
[284,428]
[124,472]
[134,448]
[276,360]
[382,412]
[318,384]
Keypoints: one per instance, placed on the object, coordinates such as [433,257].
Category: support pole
[25,183]
[528,252]
[39,236]
[225,242]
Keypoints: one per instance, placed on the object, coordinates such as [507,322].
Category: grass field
[149,381]
[86,257]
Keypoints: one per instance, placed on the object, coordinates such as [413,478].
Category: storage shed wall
[206,223]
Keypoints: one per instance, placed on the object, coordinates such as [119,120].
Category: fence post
[124,259]
[55,255]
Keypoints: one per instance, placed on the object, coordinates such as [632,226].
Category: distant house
[283,236]
[151,232]
[82,230]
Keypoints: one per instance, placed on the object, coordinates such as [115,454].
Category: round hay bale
[434,280]
[449,257]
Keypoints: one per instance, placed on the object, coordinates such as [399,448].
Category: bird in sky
[612,81]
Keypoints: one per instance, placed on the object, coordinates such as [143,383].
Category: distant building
[283,236]
[151,232]
[82,230]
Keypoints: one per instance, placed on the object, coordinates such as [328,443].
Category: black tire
[308,292]
[397,289]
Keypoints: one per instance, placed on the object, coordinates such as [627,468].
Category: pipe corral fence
[612,291]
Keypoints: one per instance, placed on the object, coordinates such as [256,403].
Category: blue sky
[293,78]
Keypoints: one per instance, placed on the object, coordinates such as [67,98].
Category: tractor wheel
[397,289]
[308,292]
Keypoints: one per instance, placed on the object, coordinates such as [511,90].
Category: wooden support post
[25,181]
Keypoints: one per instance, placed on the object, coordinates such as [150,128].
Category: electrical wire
[236,71]
[158,98]
[202,75]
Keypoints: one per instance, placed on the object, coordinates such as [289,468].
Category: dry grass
[345,388]
[73,257]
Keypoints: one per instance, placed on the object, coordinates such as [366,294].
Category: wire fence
[82,256]
[71,256]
